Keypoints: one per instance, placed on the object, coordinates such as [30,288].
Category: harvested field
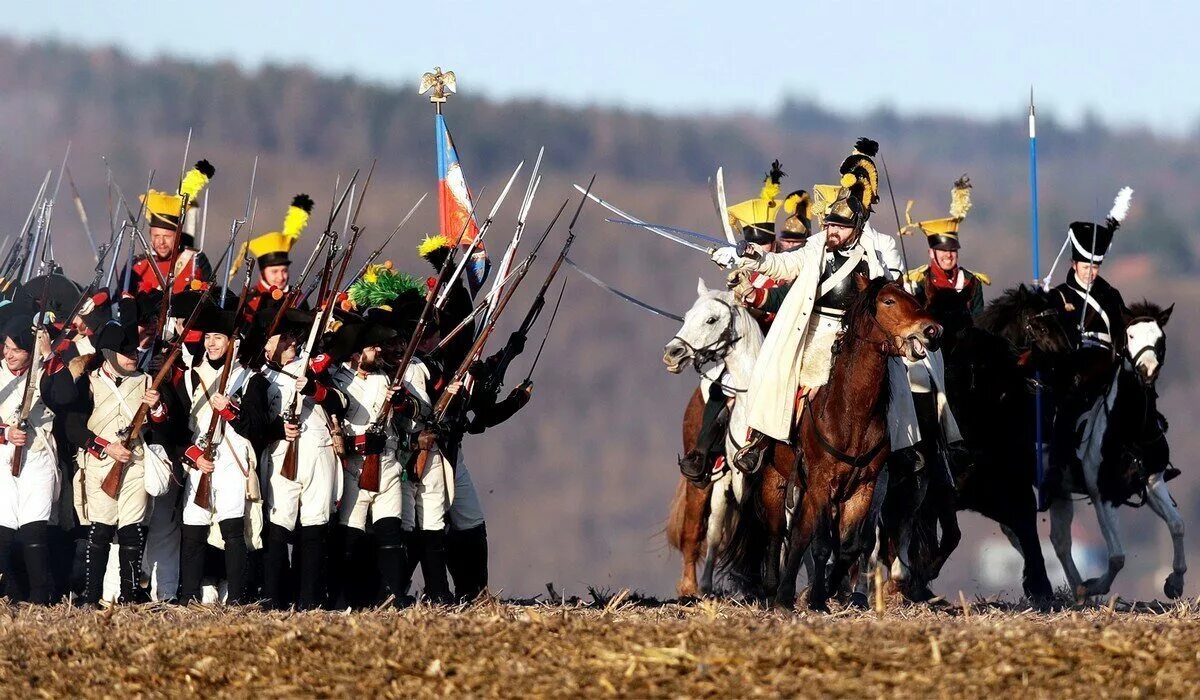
[611,647]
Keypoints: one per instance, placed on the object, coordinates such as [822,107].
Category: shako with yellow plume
[850,202]
[163,209]
[942,234]
[272,248]
[756,217]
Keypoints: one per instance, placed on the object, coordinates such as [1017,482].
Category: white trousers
[425,501]
[30,497]
[311,498]
[466,512]
[228,492]
[359,506]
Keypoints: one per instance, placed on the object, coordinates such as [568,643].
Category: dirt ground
[608,646]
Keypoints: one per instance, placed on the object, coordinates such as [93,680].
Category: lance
[1037,273]
[899,227]
[376,253]
[83,219]
[478,240]
[553,315]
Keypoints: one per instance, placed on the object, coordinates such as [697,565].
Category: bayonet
[87,230]
[553,315]
[487,224]
[376,253]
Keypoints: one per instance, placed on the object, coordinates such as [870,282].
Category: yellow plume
[960,198]
[196,179]
[432,243]
[769,190]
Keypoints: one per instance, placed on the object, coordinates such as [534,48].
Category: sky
[1130,63]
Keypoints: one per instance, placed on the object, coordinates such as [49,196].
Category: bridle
[1159,348]
[717,349]
[891,346]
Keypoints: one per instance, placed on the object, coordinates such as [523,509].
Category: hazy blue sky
[1130,62]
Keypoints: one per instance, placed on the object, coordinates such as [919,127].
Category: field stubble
[612,646]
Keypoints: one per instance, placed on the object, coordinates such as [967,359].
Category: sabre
[622,295]
[87,230]
[487,224]
[672,229]
[629,218]
[723,208]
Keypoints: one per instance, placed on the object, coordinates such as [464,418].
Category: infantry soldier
[229,458]
[108,391]
[271,249]
[29,476]
[171,240]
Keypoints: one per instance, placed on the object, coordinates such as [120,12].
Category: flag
[455,206]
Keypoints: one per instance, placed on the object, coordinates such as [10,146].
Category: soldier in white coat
[797,353]
[29,477]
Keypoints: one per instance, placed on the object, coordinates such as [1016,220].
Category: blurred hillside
[576,487]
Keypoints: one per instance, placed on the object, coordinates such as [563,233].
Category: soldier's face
[162,241]
[1087,273]
[14,357]
[368,359]
[215,345]
[945,259]
[286,354]
[125,363]
[276,276]
[837,235]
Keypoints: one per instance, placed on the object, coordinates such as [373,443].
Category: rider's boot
[750,457]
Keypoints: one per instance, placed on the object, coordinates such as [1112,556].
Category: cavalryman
[237,417]
[1093,315]
[109,389]
[29,475]
[172,256]
[272,250]
[943,275]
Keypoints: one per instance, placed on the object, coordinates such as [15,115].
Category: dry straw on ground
[612,646]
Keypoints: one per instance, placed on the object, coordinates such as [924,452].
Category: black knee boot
[7,537]
[193,540]
[35,544]
[433,567]
[468,561]
[131,541]
[233,531]
[95,561]
[275,567]
[391,560]
[342,539]
[311,593]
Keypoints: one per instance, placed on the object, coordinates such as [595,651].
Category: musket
[87,294]
[112,481]
[378,251]
[446,398]
[54,198]
[475,312]
[203,496]
[30,230]
[227,276]
[553,315]
[83,219]
[35,366]
[496,377]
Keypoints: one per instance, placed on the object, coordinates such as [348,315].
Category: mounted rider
[797,355]
[1093,314]
[943,274]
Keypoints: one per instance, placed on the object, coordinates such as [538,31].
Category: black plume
[206,168]
[776,173]
[304,202]
[866,146]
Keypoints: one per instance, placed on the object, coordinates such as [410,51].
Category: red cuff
[3,434]
[159,414]
[319,363]
[231,412]
[757,298]
[319,392]
[95,447]
[191,454]
[193,336]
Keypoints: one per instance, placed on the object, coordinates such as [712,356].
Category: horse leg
[1062,511]
[773,498]
[802,533]
[1106,514]
[692,535]
[1022,533]
[718,527]
[1159,499]
[872,541]
[855,540]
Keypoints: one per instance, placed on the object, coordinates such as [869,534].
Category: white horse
[721,340]
[1134,383]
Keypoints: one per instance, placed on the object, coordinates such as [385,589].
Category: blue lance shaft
[1037,280]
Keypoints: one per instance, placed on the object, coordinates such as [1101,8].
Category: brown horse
[689,508]
[843,438]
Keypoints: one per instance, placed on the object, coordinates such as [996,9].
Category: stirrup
[750,457]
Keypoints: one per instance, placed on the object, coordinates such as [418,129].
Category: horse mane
[862,307]
[1145,309]
[1003,316]
[749,333]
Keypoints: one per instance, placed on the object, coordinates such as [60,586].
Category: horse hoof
[784,601]
[688,600]
[1173,587]
[1091,587]
[859,600]
[818,606]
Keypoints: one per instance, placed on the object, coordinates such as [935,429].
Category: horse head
[893,319]
[1146,341]
[1028,319]
[708,331]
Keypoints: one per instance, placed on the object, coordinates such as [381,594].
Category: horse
[992,364]
[1124,454]
[721,340]
[842,442]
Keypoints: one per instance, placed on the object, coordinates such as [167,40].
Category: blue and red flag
[455,207]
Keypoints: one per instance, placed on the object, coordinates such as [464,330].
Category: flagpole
[1037,281]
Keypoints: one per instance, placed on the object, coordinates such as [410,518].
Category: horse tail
[746,550]
[676,515]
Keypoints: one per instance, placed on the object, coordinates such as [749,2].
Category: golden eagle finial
[441,84]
